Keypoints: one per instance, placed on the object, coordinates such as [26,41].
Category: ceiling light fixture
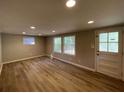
[53,31]
[39,34]
[24,33]
[90,22]
[32,27]
[70,3]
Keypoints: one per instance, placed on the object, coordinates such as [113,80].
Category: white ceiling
[16,16]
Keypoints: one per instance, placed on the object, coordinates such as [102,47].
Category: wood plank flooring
[44,75]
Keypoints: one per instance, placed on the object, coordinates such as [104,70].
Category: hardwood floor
[44,74]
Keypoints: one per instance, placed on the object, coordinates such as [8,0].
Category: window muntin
[109,42]
[69,45]
[103,37]
[113,47]
[29,41]
[57,44]
[113,37]
[103,47]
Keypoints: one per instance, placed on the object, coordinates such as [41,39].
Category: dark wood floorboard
[44,75]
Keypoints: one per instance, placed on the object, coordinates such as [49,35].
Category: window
[57,44]
[29,41]
[69,45]
[109,42]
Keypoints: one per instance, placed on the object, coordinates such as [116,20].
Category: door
[109,52]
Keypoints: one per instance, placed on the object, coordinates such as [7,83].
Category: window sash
[69,45]
[57,44]
[109,41]
[28,40]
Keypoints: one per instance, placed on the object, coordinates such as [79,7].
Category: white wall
[123,52]
[0,49]
[14,49]
[123,67]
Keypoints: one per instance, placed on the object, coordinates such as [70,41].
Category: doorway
[109,52]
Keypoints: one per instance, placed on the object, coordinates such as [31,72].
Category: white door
[109,52]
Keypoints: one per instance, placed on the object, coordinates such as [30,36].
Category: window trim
[54,45]
[74,45]
[28,38]
[108,52]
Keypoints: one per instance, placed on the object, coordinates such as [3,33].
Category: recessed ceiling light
[32,27]
[24,33]
[39,34]
[53,31]
[70,3]
[90,22]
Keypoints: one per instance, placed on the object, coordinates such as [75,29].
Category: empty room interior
[61,46]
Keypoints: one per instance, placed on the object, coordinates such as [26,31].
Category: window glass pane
[69,45]
[113,36]
[57,44]
[103,37]
[103,47]
[113,47]
[29,41]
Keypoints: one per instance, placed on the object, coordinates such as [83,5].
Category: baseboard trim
[1,66]
[22,59]
[74,64]
[48,55]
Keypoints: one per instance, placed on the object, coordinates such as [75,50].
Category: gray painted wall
[0,50]
[14,49]
[85,53]
[123,55]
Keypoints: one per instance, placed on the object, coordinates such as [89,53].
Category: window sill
[69,54]
[57,52]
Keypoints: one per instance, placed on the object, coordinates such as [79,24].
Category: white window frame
[110,42]
[54,45]
[74,45]
[29,44]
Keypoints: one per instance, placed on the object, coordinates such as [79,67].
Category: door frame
[111,29]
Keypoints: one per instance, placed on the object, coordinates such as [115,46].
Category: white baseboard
[80,66]
[1,66]
[22,59]
[48,55]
